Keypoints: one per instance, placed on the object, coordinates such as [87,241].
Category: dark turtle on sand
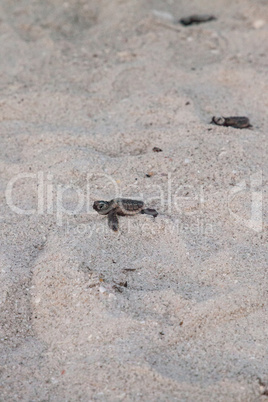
[233,121]
[121,207]
[197,19]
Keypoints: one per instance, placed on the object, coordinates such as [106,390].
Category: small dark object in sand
[129,269]
[122,284]
[121,207]
[197,19]
[117,288]
[156,149]
[233,121]
[264,387]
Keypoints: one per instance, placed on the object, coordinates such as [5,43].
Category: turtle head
[218,120]
[102,207]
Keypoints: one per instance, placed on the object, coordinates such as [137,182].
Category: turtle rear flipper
[113,220]
[149,211]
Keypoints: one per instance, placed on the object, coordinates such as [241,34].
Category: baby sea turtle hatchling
[197,19]
[232,121]
[121,207]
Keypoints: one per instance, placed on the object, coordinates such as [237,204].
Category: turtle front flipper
[149,211]
[113,220]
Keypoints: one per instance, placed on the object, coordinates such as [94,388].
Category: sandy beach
[172,308]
